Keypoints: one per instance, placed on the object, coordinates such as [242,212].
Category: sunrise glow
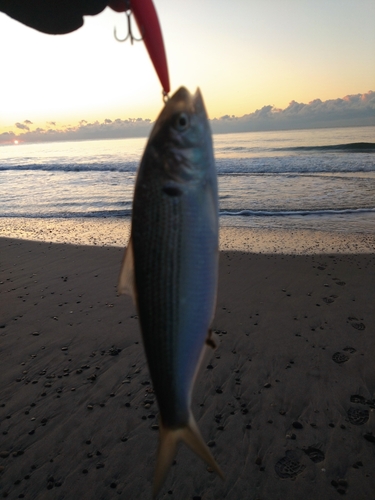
[243,55]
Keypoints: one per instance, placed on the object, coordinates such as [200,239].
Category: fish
[171,266]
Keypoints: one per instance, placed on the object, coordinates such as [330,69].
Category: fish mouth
[181,101]
[182,98]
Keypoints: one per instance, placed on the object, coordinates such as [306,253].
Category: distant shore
[286,402]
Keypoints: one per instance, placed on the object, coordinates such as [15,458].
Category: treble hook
[130,33]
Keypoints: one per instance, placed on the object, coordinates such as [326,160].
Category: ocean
[318,180]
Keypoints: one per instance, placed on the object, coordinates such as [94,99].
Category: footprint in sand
[340,357]
[358,326]
[358,416]
[356,398]
[288,467]
[314,454]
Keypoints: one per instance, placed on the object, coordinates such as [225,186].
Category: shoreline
[286,401]
[112,232]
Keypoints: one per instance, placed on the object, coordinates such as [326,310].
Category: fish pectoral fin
[126,283]
[210,340]
[168,441]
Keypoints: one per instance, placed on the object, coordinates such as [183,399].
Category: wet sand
[115,232]
[286,402]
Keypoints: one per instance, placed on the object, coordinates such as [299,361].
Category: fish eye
[182,122]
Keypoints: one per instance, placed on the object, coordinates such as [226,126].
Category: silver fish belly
[171,265]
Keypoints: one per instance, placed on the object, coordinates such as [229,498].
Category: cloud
[349,111]
[108,129]
[6,137]
[22,126]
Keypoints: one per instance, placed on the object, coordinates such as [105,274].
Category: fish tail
[168,440]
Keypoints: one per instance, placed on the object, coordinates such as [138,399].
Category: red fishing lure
[149,27]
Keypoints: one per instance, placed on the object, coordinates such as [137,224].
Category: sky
[260,64]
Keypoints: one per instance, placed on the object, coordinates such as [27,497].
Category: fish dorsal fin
[126,283]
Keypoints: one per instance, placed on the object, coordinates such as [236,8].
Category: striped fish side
[157,237]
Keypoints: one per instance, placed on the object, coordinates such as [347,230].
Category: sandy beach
[286,402]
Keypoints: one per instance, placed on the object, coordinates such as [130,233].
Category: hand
[55,17]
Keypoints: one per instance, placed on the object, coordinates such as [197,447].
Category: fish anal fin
[168,440]
[210,341]
[126,283]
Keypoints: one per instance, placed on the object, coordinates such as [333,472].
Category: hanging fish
[171,265]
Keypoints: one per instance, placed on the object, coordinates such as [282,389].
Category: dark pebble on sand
[85,471]
[219,391]
[154,427]
[113,485]
[297,425]
[211,444]
[370,438]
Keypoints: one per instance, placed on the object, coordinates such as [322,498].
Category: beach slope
[286,402]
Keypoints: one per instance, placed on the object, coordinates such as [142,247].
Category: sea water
[321,179]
